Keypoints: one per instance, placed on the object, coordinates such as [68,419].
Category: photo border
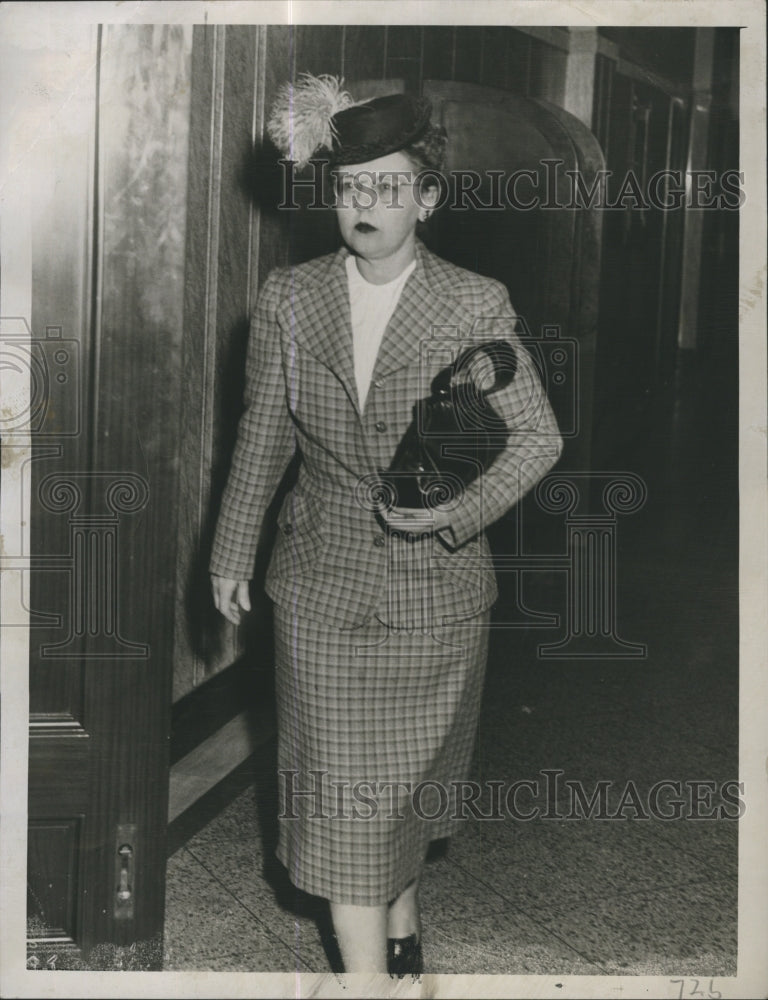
[752,977]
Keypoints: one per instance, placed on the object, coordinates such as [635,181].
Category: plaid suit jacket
[332,560]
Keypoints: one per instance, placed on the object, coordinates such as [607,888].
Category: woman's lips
[365,227]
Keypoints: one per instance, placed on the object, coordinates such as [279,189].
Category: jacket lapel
[319,313]
[322,319]
[423,312]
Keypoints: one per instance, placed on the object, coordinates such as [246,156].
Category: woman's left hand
[415,520]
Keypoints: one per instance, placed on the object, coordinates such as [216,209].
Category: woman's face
[377,206]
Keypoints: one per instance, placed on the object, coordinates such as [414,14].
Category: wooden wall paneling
[554,37]
[278,65]
[199,639]
[468,60]
[404,41]
[698,149]
[670,225]
[494,66]
[143,131]
[262,87]
[660,237]
[584,307]
[280,59]
[612,397]
[289,235]
[270,248]
[601,117]
[405,55]
[669,51]
[237,217]
[672,263]
[693,232]
[365,90]
[645,240]
[518,61]
[363,54]
[227,697]
[219,237]
[408,70]
[193,620]
[642,120]
[579,95]
[718,306]
[317,49]
[547,74]
[439,52]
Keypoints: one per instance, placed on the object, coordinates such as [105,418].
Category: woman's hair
[428,151]
[427,154]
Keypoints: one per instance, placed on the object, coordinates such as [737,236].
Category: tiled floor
[553,895]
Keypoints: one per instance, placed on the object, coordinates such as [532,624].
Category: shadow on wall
[303,233]
[308,230]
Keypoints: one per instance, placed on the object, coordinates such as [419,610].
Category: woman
[381,613]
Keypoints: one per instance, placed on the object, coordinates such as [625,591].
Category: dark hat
[383,125]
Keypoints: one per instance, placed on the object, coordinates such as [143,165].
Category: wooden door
[107,235]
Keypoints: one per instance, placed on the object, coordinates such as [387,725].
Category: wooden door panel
[138,329]
[61,226]
[56,694]
[60,746]
[53,848]
[60,760]
[107,290]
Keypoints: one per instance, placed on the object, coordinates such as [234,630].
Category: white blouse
[371,307]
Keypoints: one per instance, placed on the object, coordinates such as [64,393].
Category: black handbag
[455,433]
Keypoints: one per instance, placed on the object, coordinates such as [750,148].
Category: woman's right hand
[231,597]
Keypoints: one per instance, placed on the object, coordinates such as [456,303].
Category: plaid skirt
[376,729]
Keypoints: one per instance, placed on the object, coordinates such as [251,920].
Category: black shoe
[404,957]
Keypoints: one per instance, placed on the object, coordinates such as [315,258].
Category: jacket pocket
[302,536]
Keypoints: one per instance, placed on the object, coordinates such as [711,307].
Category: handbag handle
[502,356]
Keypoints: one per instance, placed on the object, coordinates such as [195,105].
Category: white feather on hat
[300,120]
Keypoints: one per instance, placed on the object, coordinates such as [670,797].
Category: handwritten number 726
[695,989]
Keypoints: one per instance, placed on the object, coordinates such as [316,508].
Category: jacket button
[378,541]
[288,529]
[378,382]
[380,426]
